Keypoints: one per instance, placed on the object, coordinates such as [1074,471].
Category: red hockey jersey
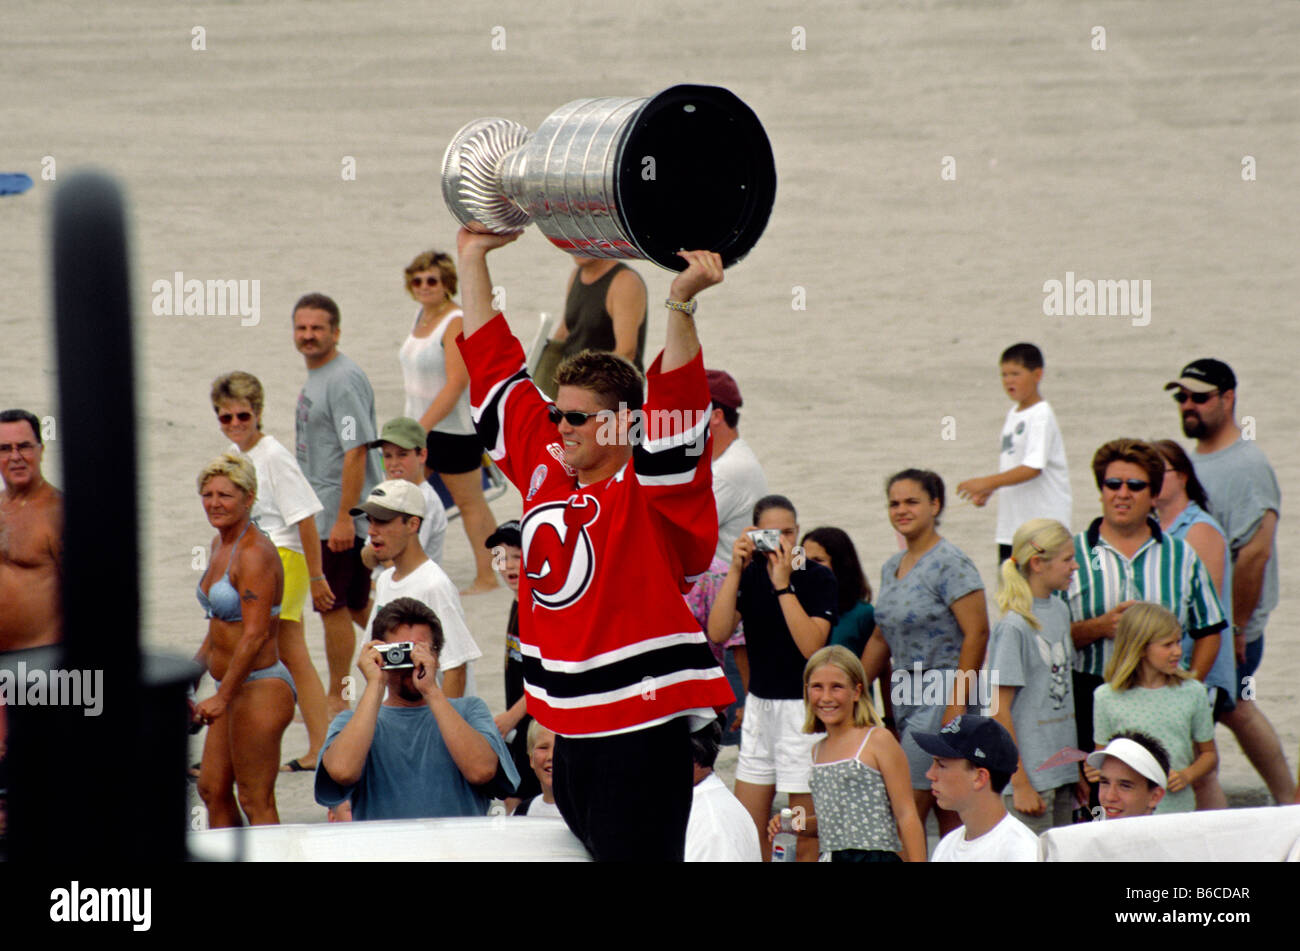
[609,644]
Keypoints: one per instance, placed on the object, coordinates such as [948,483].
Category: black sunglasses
[572,417]
[431,281]
[1134,485]
[1200,399]
[225,418]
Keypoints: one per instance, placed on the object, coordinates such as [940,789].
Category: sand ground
[1122,163]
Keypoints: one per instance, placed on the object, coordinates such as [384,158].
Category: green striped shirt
[1165,570]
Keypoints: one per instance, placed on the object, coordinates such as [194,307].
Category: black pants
[1084,685]
[628,797]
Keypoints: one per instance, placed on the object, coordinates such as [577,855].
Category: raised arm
[704,269]
[472,272]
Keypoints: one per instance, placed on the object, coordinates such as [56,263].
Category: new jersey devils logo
[558,558]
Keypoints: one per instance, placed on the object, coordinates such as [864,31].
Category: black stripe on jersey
[674,460]
[620,674]
[489,421]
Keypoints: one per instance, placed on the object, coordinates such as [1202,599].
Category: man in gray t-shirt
[335,423]
[1245,499]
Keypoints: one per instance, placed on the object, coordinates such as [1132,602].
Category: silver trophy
[690,167]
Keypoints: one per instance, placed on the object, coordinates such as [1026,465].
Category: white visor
[1135,755]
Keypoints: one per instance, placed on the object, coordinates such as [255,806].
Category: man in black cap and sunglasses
[1245,499]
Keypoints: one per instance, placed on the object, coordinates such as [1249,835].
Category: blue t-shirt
[409,772]
[915,617]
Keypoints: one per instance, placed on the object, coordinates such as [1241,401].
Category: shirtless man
[31,544]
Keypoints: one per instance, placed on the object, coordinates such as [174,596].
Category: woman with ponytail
[1030,658]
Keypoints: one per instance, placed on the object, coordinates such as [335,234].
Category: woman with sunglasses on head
[1183,510]
[284,508]
[240,592]
[437,394]
[931,624]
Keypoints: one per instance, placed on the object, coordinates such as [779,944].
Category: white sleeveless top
[424,374]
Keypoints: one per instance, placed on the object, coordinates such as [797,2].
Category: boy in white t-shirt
[1032,472]
[394,508]
[974,758]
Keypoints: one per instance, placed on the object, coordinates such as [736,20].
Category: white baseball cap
[390,499]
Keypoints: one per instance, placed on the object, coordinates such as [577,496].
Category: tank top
[589,324]
[852,805]
[424,374]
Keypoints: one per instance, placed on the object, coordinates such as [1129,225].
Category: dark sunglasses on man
[1200,399]
[572,417]
[1134,485]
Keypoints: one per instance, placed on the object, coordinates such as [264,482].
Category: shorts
[450,454]
[1246,670]
[860,855]
[348,578]
[773,747]
[1221,702]
[296,584]
[1059,812]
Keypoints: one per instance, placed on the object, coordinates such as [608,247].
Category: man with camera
[614,529]
[413,753]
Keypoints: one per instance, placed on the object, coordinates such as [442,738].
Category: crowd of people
[653,572]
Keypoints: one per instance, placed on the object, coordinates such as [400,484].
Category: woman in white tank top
[437,394]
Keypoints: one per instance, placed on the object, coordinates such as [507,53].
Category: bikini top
[222,601]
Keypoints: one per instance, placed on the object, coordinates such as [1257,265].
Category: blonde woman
[1031,655]
[1147,689]
[240,592]
[437,394]
[285,509]
[861,784]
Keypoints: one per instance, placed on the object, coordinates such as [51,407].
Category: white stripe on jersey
[687,437]
[642,688]
[476,412]
[616,655]
[677,478]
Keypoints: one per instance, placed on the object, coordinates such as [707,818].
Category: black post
[110,786]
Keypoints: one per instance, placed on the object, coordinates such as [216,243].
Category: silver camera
[396,656]
[766,539]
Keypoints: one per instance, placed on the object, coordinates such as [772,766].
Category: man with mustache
[1245,499]
[31,538]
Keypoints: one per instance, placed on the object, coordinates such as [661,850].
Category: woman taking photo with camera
[788,615]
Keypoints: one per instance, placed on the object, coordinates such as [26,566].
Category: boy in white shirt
[1032,471]
[395,508]
[974,758]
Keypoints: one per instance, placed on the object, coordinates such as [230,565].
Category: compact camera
[396,656]
[766,539]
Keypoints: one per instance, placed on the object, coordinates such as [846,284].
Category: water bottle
[784,843]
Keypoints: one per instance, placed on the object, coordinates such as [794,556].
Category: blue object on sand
[14,183]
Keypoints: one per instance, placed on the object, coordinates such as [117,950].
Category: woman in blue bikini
[240,591]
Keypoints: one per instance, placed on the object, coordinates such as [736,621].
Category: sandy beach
[938,163]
